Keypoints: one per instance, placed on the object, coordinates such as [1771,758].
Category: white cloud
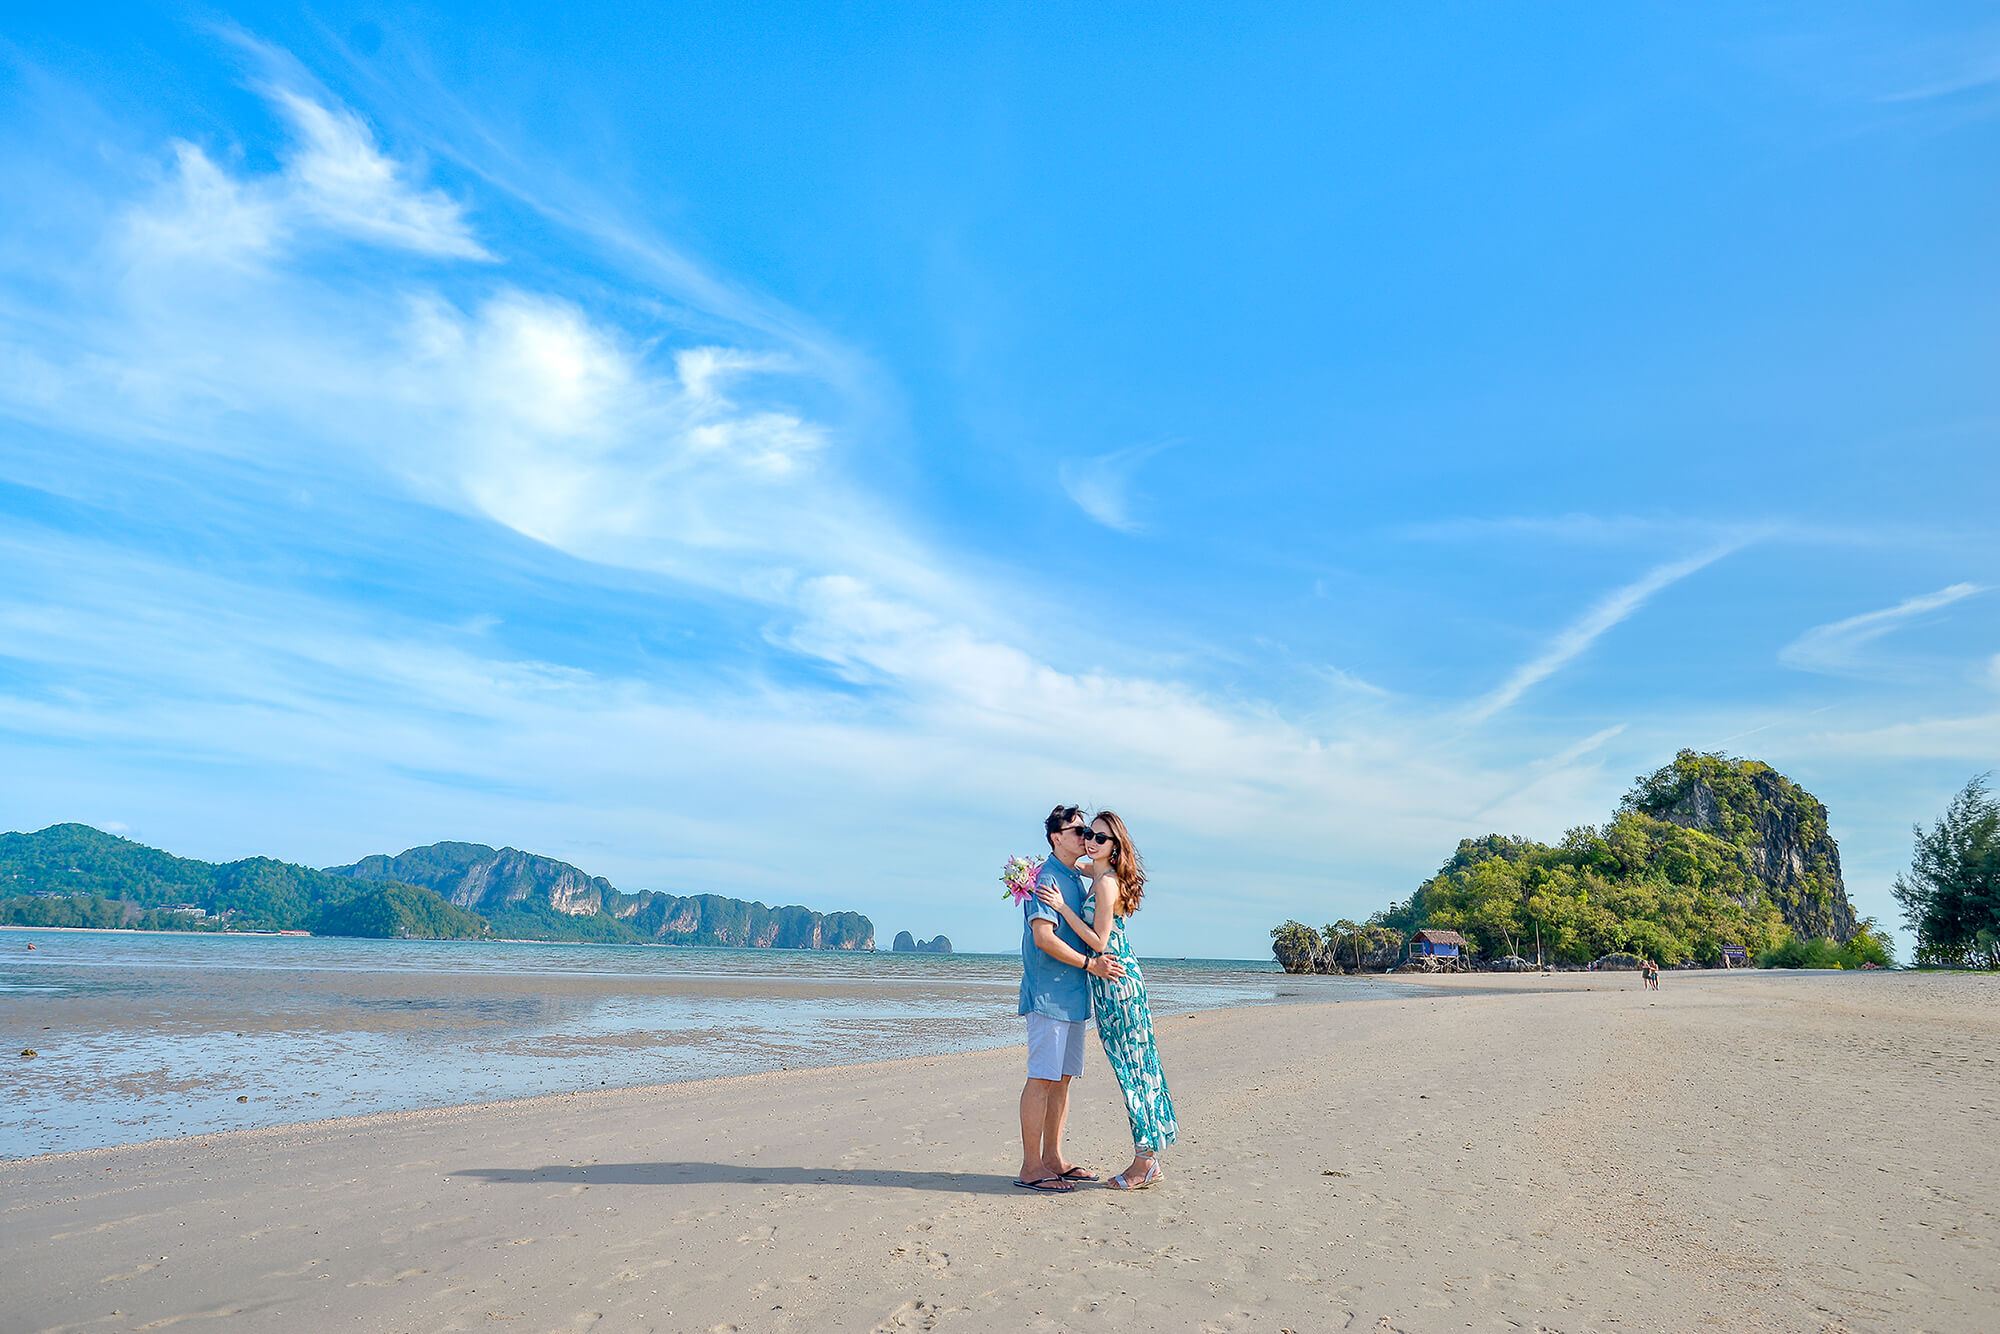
[340,179]
[1101,485]
[1836,648]
[1348,681]
[562,428]
[333,178]
[203,212]
[1587,629]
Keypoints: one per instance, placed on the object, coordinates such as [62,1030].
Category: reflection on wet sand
[146,1036]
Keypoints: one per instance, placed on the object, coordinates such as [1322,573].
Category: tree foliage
[1640,885]
[396,912]
[1951,892]
[1686,866]
[1871,945]
[64,866]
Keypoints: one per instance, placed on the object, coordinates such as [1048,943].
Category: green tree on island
[1951,892]
[1705,853]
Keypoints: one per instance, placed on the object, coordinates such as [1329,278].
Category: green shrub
[1867,947]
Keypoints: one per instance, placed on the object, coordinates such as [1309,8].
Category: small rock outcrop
[906,943]
[1299,948]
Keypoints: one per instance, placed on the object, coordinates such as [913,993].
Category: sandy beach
[1744,1151]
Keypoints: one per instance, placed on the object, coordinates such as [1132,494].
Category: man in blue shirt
[1055,997]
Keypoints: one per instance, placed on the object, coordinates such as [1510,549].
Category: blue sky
[780,453]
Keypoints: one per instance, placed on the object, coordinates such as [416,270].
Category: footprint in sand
[910,1315]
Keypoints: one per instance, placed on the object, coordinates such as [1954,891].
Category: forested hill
[74,875]
[529,896]
[1704,853]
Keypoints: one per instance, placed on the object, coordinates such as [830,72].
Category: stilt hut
[1445,949]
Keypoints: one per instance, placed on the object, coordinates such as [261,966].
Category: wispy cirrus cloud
[1587,629]
[1101,485]
[1837,648]
[1967,63]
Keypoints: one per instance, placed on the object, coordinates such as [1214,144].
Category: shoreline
[548,1101]
[143,1037]
[1771,1153]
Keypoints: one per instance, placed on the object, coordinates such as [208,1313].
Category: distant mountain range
[74,875]
[539,898]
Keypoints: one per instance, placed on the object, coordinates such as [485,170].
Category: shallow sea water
[149,1035]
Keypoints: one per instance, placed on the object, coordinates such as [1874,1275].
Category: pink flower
[1018,875]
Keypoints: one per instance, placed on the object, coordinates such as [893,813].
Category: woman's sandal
[1153,1173]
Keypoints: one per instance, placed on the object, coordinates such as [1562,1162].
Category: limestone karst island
[1708,862]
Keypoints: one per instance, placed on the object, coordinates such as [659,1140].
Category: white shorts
[1055,1047]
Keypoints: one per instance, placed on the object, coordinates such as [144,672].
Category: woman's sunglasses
[1099,839]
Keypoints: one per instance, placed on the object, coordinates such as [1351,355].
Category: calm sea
[142,1036]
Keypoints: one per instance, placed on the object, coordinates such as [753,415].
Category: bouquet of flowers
[1019,876]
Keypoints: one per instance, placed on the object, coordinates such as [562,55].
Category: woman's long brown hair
[1125,860]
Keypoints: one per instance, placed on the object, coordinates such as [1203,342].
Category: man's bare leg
[1054,1116]
[1036,1095]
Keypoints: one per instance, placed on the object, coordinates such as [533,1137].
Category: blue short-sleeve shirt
[1049,986]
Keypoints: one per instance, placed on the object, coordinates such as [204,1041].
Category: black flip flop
[1046,1185]
[1077,1174]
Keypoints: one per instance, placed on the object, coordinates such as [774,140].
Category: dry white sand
[1736,1152]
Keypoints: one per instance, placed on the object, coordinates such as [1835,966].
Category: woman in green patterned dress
[1124,1024]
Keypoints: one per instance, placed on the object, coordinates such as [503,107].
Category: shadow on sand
[710,1174]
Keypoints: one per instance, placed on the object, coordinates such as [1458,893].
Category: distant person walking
[1652,972]
[1124,1021]
[1055,996]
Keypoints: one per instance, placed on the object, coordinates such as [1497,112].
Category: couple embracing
[1074,961]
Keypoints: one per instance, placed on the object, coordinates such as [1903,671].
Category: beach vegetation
[85,910]
[1870,945]
[1950,894]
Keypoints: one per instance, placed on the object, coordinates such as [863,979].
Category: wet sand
[1748,1151]
[141,1037]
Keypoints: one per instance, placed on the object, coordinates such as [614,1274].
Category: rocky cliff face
[529,894]
[488,880]
[909,944]
[1778,827]
[710,919]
